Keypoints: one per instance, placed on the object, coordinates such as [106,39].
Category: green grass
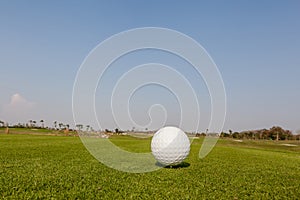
[39,166]
[132,144]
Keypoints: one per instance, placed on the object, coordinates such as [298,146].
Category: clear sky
[255,44]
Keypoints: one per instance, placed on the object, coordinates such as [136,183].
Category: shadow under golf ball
[181,165]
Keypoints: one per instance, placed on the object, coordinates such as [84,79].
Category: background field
[41,166]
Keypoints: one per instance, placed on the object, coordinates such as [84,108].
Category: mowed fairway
[58,167]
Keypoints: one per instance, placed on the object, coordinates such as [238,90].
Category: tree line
[274,133]
[36,124]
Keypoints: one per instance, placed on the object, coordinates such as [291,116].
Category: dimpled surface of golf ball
[170,146]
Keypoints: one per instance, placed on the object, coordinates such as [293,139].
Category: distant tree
[297,136]
[223,134]
[91,128]
[200,134]
[34,123]
[117,131]
[79,127]
[1,123]
[252,135]
[60,125]
[235,135]
[278,133]
[55,124]
[263,134]
[230,132]
[88,127]
[19,125]
[30,123]
[42,123]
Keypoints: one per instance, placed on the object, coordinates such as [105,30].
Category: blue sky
[255,45]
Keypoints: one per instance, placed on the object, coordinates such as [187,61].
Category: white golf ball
[170,146]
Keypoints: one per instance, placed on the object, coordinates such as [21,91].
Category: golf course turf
[60,167]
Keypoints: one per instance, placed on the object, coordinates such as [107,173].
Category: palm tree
[30,123]
[42,123]
[60,125]
[55,124]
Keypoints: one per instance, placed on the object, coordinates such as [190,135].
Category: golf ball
[170,146]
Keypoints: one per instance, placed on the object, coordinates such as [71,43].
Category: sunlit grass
[37,166]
